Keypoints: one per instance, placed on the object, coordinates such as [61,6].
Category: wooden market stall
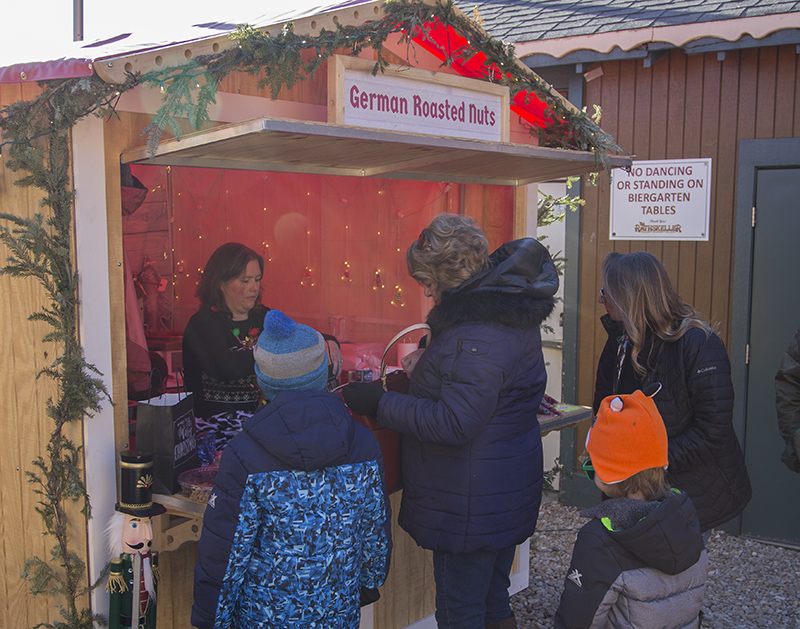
[330,199]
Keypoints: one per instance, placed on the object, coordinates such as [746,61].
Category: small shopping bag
[165,428]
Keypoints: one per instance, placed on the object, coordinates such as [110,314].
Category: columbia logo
[705,369]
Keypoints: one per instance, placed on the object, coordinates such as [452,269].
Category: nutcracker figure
[134,565]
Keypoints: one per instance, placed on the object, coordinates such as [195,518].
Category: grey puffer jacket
[696,404]
[636,565]
[787,402]
[472,448]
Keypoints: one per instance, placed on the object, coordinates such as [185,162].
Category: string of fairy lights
[384,276]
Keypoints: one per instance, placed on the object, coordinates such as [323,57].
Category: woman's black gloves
[363,397]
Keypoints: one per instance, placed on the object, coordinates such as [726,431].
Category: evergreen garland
[36,136]
[40,248]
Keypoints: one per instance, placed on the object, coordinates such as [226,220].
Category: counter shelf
[184,517]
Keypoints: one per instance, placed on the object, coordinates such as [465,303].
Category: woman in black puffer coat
[656,337]
[472,448]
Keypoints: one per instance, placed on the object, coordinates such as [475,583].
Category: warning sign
[661,200]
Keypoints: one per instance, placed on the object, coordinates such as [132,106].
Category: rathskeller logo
[653,229]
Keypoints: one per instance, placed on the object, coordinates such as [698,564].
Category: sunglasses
[588,469]
[602,295]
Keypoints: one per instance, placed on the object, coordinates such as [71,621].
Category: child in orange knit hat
[640,561]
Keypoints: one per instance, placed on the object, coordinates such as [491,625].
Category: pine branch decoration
[39,249]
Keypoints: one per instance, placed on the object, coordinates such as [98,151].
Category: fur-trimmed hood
[516,291]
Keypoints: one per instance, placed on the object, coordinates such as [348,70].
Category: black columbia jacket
[696,404]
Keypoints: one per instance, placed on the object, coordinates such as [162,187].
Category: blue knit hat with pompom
[289,356]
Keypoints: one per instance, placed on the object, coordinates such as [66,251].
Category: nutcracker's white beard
[147,568]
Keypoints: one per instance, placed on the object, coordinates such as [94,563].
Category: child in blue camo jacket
[298,521]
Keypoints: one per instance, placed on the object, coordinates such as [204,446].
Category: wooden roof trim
[678,35]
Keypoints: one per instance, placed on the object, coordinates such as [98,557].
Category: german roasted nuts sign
[661,200]
[416,101]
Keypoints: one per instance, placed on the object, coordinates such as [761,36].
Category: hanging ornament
[378,282]
[308,278]
[346,273]
[398,302]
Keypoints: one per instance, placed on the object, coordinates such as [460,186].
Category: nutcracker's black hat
[136,485]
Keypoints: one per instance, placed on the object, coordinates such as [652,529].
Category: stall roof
[39,59]
[292,146]
[269,144]
[152,45]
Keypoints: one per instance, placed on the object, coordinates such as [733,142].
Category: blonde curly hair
[448,252]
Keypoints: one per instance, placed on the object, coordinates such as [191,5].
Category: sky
[33,29]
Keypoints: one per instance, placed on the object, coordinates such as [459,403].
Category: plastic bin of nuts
[196,484]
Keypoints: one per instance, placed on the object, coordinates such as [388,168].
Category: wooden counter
[571,415]
[179,525]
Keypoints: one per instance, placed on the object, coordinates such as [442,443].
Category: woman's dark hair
[228,262]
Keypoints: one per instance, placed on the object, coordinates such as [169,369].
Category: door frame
[753,155]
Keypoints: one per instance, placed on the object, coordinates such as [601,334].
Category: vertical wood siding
[683,107]
[25,428]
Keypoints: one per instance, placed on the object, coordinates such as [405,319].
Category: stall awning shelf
[280,145]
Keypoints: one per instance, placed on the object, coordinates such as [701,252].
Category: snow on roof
[44,52]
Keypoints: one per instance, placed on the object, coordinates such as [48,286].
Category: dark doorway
[770,178]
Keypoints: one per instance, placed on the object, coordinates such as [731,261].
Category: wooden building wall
[683,107]
[24,428]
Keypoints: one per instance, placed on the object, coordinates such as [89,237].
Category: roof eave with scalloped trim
[678,35]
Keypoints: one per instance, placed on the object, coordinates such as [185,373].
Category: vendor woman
[219,338]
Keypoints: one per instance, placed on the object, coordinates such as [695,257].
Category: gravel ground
[750,584]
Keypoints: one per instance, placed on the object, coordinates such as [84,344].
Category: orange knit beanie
[627,437]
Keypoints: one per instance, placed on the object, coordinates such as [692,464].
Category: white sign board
[661,200]
[405,99]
